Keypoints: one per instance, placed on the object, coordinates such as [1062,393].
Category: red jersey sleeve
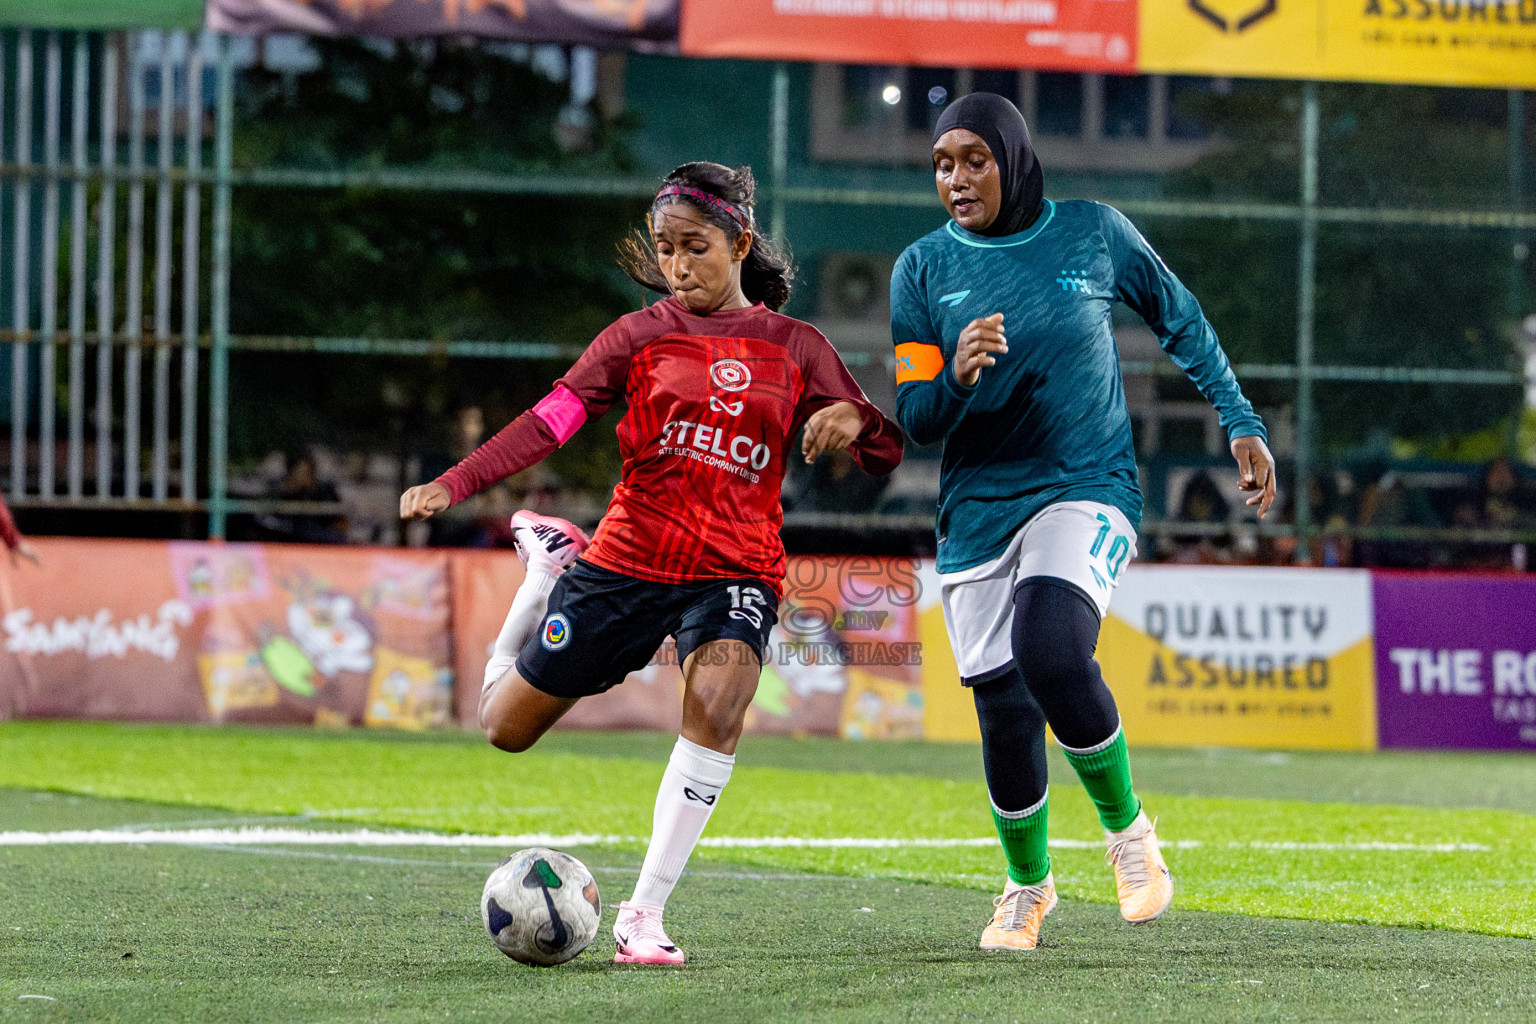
[827,382]
[8,531]
[586,391]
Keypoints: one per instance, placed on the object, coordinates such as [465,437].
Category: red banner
[1068,35]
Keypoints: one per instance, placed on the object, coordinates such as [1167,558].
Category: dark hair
[767,273]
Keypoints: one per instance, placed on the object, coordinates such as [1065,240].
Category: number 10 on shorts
[1119,548]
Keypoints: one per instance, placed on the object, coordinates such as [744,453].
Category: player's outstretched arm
[420,502]
[1256,470]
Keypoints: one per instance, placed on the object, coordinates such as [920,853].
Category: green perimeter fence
[116,403]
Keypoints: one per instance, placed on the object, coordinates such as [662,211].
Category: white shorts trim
[1085,543]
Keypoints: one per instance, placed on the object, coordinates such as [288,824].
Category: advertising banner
[1456,661]
[339,637]
[1242,657]
[1490,43]
[591,22]
[227,633]
[1069,35]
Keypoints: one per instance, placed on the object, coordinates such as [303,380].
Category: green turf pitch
[347,933]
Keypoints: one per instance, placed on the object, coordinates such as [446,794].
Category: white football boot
[545,542]
[640,939]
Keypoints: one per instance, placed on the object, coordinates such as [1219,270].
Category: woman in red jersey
[717,384]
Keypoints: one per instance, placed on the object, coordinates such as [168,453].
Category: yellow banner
[1278,658]
[1490,43]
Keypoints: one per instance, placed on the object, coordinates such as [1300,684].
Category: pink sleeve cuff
[562,412]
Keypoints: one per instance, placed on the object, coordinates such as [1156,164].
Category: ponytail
[767,272]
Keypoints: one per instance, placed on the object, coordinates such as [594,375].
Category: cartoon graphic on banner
[1456,661]
[408,693]
[236,677]
[329,630]
[207,576]
[1242,657]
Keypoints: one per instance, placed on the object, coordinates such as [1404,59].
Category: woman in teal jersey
[1005,353]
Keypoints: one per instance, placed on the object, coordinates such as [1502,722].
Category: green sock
[1023,837]
[1106,775]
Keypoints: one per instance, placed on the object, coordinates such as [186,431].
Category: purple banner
[1456,661]
[591,22]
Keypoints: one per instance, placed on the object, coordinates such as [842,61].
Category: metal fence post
[105,259]
[1306,309]
[21,265]
[48,311]
[218,369]
[1519,248]
[778,146]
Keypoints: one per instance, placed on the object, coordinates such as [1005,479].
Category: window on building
[1129,124]
[1058,103]
[863,88]
[1127,109]
[1185,95]
[928,92]
[1004,83]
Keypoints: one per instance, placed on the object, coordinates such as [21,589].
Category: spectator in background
[1496,504]
[15,543]
[302,483]
[1389,503]
[1202,502]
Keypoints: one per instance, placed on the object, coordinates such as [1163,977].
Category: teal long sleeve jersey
[1048,423]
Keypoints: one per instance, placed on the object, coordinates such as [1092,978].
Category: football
[541,907]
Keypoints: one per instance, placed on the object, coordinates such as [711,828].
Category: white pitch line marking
[259,836]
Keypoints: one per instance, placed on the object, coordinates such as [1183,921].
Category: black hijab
[1002,128]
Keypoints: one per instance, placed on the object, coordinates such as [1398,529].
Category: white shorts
[1083,542]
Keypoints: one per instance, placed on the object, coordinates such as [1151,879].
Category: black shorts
[602,625]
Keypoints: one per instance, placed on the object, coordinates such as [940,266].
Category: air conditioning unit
[856,286]
[854,312]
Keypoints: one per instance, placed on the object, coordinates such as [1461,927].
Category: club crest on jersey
[557,633]
[730,375]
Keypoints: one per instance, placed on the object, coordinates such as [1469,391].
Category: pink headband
[744,220]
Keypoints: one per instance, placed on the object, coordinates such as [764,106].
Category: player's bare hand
[420,502]
[27,551]
[831,430]
[1256,471]
[982,341]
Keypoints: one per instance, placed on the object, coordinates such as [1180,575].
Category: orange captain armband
[917,361]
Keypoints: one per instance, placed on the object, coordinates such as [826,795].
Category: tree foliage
[1386,296]
[378,263]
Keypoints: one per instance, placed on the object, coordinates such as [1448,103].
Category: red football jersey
[713,405]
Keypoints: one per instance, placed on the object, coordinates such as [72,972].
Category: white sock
[523,620]
[690,786]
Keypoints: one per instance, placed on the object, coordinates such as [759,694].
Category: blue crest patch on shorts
[557,633]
